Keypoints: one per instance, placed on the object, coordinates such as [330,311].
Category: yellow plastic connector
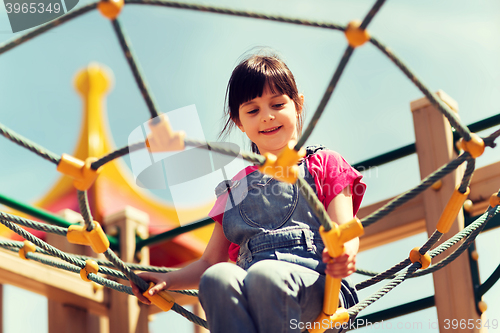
[284,167]
[110,8]
[451,210]
[437,185]
[482,306]
[475,147]
[28,247]
[335,238]
[162,299]
[83,175]
[416,256]
[90,267]
[96,238]
[162,138]
[324,322]
[494,200]
[356,36]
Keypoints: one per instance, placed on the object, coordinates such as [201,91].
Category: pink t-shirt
[331,174]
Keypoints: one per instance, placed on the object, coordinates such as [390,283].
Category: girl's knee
[266,273]
[220,276]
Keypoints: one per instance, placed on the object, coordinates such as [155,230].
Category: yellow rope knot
[96,238]
[356,36]
[494,200]
[284,167]
[81,172]
[90,267]
[110,8]
[28,247]
[423,259]
[475,147]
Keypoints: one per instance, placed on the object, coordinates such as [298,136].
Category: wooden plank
[434,141]
[62,286]
[405,221]
[485,182]
[126,313]
[409,219]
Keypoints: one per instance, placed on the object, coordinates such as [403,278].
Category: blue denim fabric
[281,274]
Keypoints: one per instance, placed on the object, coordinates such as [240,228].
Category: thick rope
[83,203]
[471,232]
[335,79]
[405,197]
[354,310]
[490,139]
[134,67]
[116,154]
[314,203]
[46,27]
[247,156]
[471,166]
[189,316]
[436,235]
[384,275]
[30,145]
[240,13]
[34,225]
[38,242]
[433,98]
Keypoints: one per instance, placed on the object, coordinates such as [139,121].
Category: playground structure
[435,147]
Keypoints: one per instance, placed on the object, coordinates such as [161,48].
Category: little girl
[266,226]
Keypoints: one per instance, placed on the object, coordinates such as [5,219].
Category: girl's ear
[301,106]
[240,126]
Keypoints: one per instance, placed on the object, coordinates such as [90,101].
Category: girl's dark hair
[248,81]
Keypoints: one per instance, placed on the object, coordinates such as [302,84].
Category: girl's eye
[279,105]
[252,111]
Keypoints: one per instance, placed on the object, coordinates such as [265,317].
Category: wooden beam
[409,219]
[55,284]
[405,221]
[453,287]
[126,313]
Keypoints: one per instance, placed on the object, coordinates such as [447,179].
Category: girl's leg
[283,297]
[223,296]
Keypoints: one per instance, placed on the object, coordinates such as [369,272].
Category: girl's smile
[269,121]
[271,130]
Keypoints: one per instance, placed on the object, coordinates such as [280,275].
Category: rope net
[116,268]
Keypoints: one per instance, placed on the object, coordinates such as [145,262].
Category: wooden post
[434,141]
[66,317]
[126,313]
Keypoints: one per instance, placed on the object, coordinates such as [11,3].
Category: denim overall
[268,219]
[273,221]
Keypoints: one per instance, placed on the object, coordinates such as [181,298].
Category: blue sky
[187,58]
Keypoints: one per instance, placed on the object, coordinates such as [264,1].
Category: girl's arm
[340,211]
[188,277]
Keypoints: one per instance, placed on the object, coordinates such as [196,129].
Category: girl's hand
[160,279]
[340,267]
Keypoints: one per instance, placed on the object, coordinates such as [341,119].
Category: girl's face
[270,121]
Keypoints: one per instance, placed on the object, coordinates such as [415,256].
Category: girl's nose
[267,116]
